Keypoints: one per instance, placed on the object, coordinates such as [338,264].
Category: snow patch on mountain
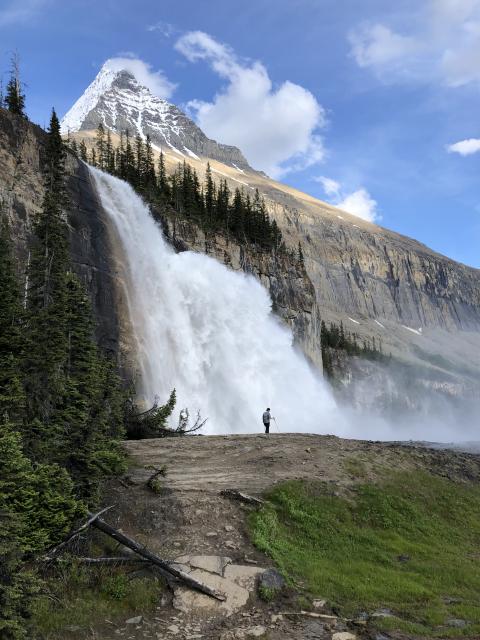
[73,119]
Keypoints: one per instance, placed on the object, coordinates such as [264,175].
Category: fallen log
[165,566]
[310,614]
[103,560]
[74,534]
[234,494]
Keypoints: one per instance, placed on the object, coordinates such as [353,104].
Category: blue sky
[357,103]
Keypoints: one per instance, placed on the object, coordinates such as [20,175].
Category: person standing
[266,420]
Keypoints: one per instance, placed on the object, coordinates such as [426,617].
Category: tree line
[213,206]
[334,337]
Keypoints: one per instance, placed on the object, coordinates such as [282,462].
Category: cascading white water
[209,332]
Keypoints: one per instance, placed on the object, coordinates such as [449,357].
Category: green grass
[347,549]
[79,596]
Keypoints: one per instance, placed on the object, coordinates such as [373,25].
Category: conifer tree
[148,167]
[83,151]
[209,194]
[100,144]
[15,98]
[129,169]
[47,341]
[37,508]
[301,260]
[84,412]
[162,181]
[12,397]
[110,154]
[237,212]
[139,159]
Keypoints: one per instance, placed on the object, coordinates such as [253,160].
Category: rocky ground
[187,519]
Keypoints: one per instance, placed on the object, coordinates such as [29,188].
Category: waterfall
[209,332]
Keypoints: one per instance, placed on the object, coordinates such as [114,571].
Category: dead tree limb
[104,560]
[165,566]
[151,480]
[74,534]
[234,494]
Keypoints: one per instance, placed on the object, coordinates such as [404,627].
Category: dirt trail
[188,517]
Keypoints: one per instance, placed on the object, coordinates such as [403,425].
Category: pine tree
[139,160]
[210,195]
[110,155]
[37,508]
[12,397]
[129,169]
[301,260]
[100,146]
[162,181]
[148,177]
[83,151]
[236,215]
[15,98]
[46,312]
[85,412]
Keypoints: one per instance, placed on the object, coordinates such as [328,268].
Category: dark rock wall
[21,192]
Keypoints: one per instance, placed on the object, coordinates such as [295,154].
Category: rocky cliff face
[424,307]
[118,101]
[21,191]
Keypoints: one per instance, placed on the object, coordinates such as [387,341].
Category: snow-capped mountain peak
[74,118]
[118,101]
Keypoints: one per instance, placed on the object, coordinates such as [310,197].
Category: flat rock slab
[235,582]
[212,564]
[244,576]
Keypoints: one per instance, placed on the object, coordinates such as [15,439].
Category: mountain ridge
[119,102]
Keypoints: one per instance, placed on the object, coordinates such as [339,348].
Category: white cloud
[440,42]
[276,127]
[378,46]
[465,147]
[20,11]
[330,186]
[156,81]
[164,28]
[359,203]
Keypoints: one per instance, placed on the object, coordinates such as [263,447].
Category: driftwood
[234,494]
[165,566]
[74,534]
[309,614]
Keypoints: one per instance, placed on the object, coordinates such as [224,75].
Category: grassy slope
[347,548]
[78,596]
